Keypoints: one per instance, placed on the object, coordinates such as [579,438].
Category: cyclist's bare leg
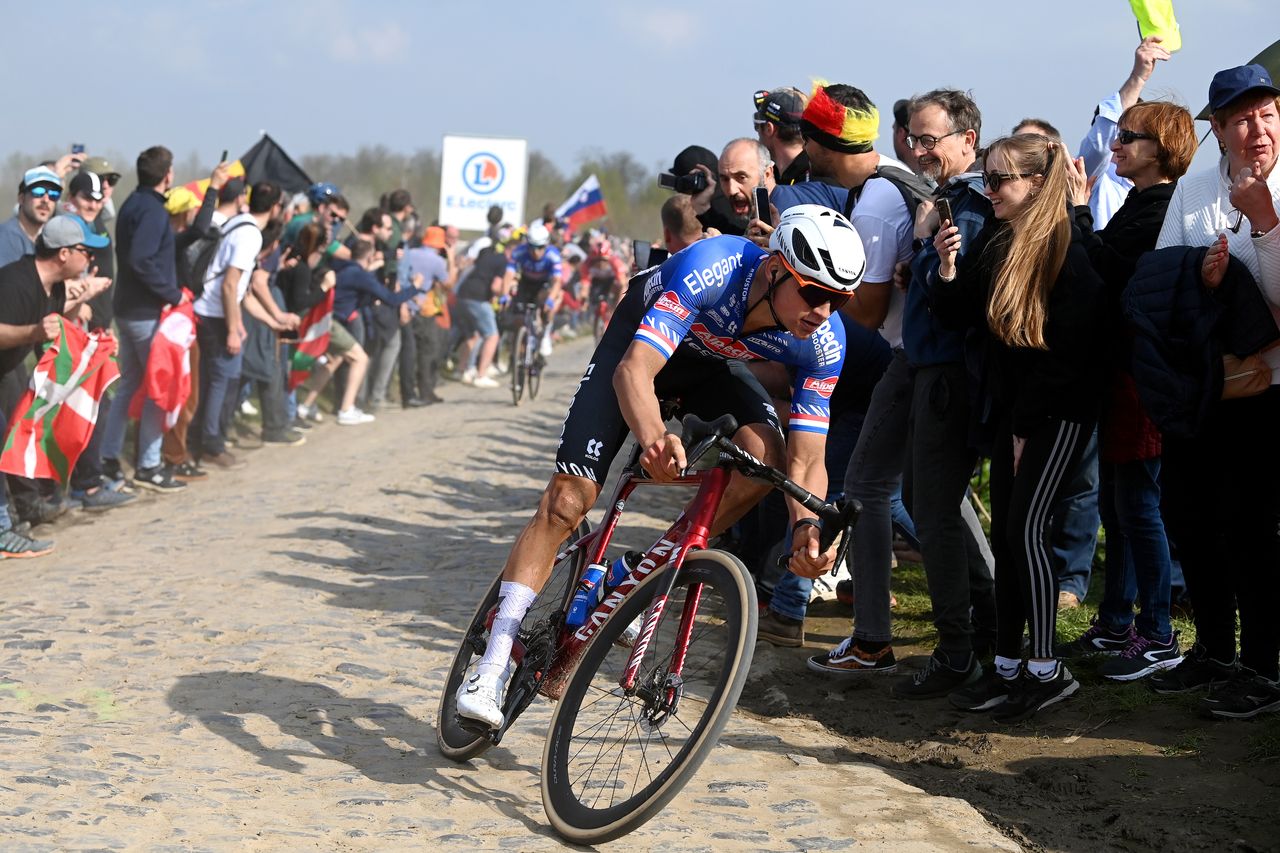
[742,493]
[564,504]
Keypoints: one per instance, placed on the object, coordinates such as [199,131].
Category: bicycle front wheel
[519,364]
[613,759]
[461,744]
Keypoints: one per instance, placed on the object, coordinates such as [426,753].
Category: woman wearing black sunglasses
[1153,149]
[1027,281]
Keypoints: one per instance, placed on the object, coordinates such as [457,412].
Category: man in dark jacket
[147,282]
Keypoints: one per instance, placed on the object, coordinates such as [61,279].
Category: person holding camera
[693,174]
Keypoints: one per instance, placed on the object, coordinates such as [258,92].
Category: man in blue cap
[38,196]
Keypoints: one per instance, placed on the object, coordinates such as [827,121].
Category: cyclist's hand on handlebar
[806,561]
[664,459]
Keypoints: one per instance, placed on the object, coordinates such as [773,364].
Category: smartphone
[640,249]
[762,205]
[77,148]
[944,211]
[224,156]
[288,337]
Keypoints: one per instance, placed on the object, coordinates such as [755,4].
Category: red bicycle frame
[688,533]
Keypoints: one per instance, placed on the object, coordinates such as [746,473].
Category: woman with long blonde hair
[1028,283]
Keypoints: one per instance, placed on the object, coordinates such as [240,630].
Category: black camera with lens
[690,184]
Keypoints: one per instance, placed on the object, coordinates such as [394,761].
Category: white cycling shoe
[480,697]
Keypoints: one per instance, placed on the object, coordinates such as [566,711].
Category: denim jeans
[219,374]
[135,349]
[1138,565]
[1074,536]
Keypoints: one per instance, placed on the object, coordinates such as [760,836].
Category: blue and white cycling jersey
[698,299]
[545,269]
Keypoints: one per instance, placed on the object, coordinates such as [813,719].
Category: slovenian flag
[586,204]
[52,423]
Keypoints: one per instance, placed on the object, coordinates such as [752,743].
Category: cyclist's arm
[663,455]
[806,464]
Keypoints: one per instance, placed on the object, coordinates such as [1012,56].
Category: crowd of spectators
[1097,325]
[252,267]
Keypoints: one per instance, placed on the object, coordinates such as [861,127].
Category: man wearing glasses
[110,177]
[38,196]
[34,290]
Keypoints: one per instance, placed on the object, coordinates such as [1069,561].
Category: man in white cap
[38,196]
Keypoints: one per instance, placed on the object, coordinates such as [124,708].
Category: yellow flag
[1155,18]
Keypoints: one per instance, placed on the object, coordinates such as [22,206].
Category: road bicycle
[648,680]
[526,359]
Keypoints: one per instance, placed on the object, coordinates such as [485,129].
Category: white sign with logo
[478,172]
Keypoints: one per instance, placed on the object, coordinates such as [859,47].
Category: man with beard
[744,165]
[38,196]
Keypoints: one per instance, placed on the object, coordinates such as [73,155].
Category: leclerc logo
[483,173]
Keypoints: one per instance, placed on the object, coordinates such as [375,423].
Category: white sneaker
[545,347]
[480,698]
[485,382]
[469,376]
[354,417]
[310,413]
[493,372]
[248,409]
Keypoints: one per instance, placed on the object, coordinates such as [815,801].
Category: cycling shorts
[594,430]
[530,291]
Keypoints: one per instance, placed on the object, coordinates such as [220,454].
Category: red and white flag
[167,382]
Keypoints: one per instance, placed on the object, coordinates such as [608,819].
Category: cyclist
[606,276]
[534,277]
[687,329]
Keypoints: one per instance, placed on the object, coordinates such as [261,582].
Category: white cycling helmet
[538,235]
[819,245]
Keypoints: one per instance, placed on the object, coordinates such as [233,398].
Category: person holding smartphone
[944,130]
[1027,284]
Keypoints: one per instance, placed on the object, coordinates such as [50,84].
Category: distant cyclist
[535,271]
[605,275]
[686,330]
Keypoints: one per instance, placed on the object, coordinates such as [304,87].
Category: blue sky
[328,76]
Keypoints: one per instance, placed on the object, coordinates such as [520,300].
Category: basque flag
[586,204]
[167,380]
[54,420]
[313,341]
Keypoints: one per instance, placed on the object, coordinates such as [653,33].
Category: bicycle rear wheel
[461,744]
[519,365]
[613,760]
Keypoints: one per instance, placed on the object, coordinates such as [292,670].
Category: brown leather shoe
[223,461]
[780,630]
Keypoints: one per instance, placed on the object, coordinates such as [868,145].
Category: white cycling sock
[514,601]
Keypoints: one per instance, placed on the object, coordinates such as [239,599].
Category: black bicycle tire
[455,742]
[518,366]
[567,814]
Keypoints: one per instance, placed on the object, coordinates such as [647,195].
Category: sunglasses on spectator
[1128,137]
[41,192]
[995,179]
[927,141]
[337,217]
[84,250]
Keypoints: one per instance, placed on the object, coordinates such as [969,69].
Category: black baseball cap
[784,105]
[692,156]
[88,183]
